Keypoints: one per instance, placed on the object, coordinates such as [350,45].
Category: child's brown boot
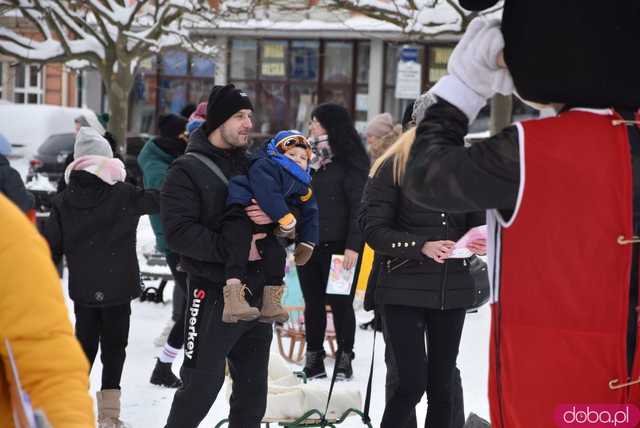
[236,307]
[272,310]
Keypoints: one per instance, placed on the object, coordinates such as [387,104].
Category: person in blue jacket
[278,180]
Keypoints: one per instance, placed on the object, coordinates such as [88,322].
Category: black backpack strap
[211,165]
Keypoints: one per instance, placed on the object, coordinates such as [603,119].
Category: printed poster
[340,279]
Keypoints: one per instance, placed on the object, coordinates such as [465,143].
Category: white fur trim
[600,111]
[454,91]
[493,254]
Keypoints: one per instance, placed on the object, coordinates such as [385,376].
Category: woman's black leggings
[313,281]
[406,328]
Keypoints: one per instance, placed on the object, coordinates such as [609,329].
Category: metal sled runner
[312,418]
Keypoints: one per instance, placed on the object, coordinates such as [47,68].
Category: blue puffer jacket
[278,183]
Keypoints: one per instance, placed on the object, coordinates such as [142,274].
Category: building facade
[288,62]
[287,74]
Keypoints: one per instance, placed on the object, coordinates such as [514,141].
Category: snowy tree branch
[416,18]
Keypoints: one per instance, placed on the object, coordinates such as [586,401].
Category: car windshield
[57,143]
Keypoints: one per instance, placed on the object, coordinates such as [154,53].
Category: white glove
[474,74]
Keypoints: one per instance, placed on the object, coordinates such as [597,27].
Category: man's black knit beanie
[224,102]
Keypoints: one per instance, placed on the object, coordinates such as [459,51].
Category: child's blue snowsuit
[276,183]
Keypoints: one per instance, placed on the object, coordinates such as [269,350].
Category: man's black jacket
[193,204]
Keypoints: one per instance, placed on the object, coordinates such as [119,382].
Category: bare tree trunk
[118,85]
[501,108]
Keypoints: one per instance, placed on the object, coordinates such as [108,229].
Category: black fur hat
[582,53]
[476,5]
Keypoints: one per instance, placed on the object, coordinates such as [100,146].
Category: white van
[27,126]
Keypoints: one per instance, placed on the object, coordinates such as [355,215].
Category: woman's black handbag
[480,274]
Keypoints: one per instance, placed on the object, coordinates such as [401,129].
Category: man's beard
[235,141]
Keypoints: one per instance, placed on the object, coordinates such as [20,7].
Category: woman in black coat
[421,291]
[339,172]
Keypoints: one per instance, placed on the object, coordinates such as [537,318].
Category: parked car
[50,159]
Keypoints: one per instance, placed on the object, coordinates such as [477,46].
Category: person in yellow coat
[33,317]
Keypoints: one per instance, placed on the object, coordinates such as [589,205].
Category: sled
[293,403]
[151,293]
[291,336]
[154,269]
[312,418]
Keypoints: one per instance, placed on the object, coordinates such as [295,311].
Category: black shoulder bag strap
[367,401]
[211,165]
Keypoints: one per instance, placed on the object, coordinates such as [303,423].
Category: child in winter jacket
[278,180]
[93,222]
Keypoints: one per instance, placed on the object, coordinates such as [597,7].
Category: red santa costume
[560,199]
[559,328]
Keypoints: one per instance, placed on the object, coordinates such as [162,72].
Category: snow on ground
[146,405]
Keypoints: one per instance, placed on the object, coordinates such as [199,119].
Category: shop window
[364,52]
[337,94]
[203,67]
[272,114]
[273,56]
[199,90]
[362,86]
[338,66]
[304,59]
[337,85]
[28,84]
[175,63]
[166,84]
[283,79]
[244,59]
[303,98]
[172,95]
[184,79]
[438,60]
[144,96]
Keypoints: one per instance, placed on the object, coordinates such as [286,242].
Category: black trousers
[176,335]
[208,344]
[109,328]
[179,291]
[313,281]
[238,233]
[405,331]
